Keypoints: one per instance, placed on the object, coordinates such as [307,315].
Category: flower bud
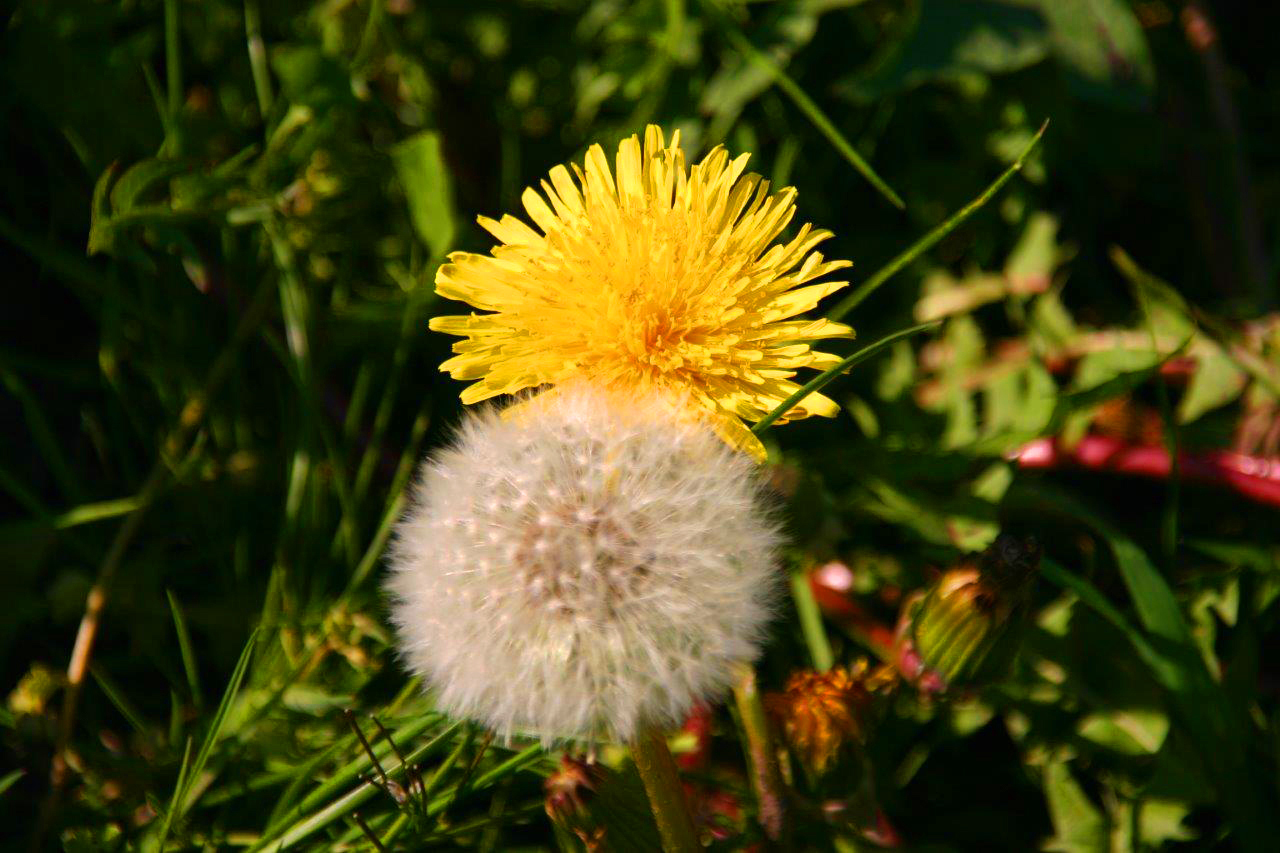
[967,627]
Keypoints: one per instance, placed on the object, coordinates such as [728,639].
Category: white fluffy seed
[583,565]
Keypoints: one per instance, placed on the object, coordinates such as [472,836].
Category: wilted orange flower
[820,712]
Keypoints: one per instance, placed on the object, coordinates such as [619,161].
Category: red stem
[1252,477]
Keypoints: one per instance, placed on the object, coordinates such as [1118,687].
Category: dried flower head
[821,712]
[649,275]
[583,565]
[569,792]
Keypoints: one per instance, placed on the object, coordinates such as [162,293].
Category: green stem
[931,239]
[666,796]
[805,104]
[815,635]
[257,57]
[825,378]
[762,757]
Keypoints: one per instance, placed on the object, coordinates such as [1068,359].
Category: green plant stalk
[173,76]
[762,757]
[369,37]
[928,241]
[281,840]
[666,796]
[825,378]
[257,57]
[815,635]
[806,105]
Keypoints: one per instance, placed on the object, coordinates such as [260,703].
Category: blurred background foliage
[219,229]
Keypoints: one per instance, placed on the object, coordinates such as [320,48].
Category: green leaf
[1079,825]
[140,179]
[1101,46]
[1215,383]
[1136,731]
[1162,820]
[310,78]
[183,801]
[959,39]
[1220,729]
[188,654]
[10,779]
[419,162]
[100,236]
[1036,255]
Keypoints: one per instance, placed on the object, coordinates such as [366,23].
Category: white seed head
[581,565]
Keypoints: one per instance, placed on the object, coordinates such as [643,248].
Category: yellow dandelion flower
[820,712]
[649,275]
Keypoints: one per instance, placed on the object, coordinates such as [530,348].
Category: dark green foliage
[219,230]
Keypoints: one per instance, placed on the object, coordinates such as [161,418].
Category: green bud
[969,625]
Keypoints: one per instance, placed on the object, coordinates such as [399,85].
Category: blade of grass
[928,241]
[399,488]
[258,58]
[173,76]
[1141,282]
[117,698]
[10,779]
[219,719]
[192,415]
[352,769]
[417,300]
[369,37]
[762,758]
[188,655]
[804,103]
[343,806]
[51,454]
[825,378]
[91,512]
[175,800]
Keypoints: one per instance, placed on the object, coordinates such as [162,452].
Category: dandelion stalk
[666,794]
[762,756]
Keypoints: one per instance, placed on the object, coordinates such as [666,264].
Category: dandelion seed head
[582,565]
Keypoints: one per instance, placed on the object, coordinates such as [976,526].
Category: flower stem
[815,635]
[666,796]
[762,757]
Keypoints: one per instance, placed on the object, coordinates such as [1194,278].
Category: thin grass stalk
[806,105]
[928,241]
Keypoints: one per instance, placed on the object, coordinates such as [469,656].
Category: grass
[221,228]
